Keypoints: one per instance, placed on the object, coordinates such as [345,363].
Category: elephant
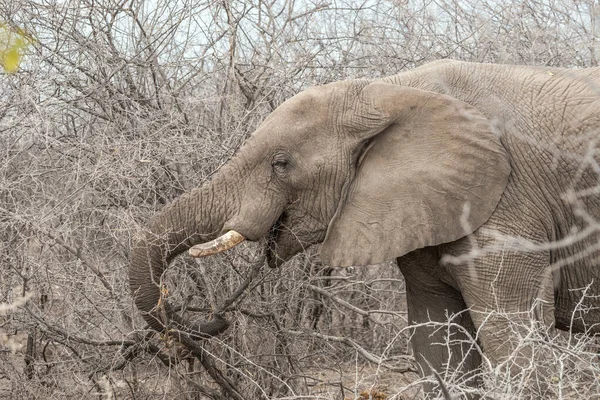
[480,180]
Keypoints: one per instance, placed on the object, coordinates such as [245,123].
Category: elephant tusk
[220,244]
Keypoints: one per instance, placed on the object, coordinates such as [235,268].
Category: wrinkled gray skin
[406,168]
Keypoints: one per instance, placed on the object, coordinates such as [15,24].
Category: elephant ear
[432,171]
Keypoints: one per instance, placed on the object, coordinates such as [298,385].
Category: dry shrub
[119,107]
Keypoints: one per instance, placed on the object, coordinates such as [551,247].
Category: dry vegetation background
[120,106]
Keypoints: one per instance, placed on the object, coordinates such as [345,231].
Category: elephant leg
[510,294]
[442,330]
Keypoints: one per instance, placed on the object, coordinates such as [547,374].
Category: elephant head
[369,169]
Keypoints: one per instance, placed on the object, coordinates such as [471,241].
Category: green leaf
[12,45]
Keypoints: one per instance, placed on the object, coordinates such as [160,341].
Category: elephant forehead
[308,110]
[306,144]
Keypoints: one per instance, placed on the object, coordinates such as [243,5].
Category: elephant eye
[280,166]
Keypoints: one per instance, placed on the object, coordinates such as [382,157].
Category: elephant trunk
[179,226]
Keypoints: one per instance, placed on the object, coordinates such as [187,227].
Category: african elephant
[439,168]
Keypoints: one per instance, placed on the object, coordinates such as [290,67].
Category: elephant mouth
[274,259]
[276,253]
[283,242]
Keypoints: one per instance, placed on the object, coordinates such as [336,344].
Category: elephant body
[549,124]
[481,180]
[539,250]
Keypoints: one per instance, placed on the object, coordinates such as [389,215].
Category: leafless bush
[120,106]
[551,363]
